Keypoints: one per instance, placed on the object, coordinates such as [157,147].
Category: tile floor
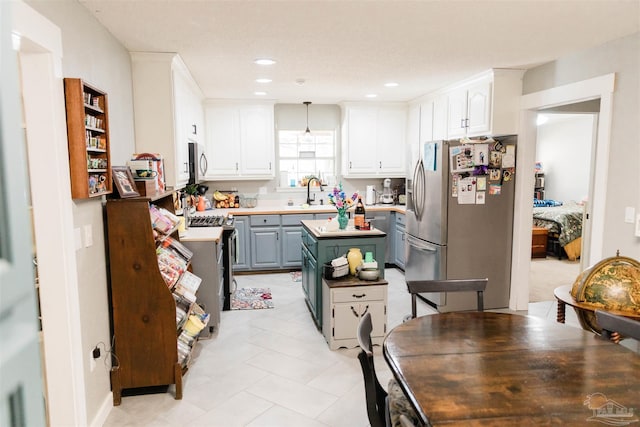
[273,368]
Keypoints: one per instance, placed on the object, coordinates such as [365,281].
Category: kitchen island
[320,246]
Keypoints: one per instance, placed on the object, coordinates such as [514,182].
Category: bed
[564,226]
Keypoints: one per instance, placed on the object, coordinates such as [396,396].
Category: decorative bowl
[368,274]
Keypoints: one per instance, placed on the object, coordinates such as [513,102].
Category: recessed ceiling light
[263,80]
[391,84]
[371,95]
[264,61]
[260,93]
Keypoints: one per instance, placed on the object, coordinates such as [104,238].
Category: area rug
[296,276]
[251,299]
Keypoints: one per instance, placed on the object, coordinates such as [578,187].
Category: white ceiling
[344,50]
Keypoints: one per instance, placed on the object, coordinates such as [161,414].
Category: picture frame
[124,182]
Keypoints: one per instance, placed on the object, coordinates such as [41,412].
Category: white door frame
[596,88]
[40,53]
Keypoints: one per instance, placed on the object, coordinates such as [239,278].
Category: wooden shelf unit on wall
[143,307]
[88,139]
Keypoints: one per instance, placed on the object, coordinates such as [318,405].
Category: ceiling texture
[330,51]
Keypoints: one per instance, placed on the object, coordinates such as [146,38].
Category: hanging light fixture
[307,133]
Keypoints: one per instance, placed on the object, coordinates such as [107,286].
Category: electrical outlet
[92,361]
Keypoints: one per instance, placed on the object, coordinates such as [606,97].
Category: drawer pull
[359,296]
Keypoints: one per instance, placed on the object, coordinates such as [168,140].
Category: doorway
[564,150]
[599,88]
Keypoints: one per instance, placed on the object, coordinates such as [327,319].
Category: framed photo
[123,179]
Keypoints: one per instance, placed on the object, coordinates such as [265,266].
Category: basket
[331,272]
[248,201]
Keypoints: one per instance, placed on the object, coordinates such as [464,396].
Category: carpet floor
[547,274]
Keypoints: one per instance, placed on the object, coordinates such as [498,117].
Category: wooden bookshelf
[88,139]
[144,325]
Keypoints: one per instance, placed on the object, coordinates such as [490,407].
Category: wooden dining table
[499,369]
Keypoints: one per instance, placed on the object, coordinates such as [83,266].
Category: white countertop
[317,227]
[279,207]
[201,234]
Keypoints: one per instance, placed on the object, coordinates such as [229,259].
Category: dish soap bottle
[358,217]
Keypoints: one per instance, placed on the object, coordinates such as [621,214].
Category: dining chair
[452,285]
[383,409]
[614,326]
[406,422]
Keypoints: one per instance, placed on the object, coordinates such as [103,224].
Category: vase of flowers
[339,199]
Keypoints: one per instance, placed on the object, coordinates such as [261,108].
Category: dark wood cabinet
[539,242]
[143,307]
[88,139]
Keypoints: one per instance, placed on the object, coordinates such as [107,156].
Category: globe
[612,284]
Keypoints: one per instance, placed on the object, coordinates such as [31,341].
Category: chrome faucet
[309,199]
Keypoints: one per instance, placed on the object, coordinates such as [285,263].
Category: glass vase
[343,220]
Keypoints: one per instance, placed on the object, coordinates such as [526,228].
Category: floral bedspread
[565,220]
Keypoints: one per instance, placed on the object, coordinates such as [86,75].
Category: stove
[229,249]
[211,221]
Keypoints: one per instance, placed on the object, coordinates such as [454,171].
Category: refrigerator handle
[413,242]
[419,186]
[415,196]
[414,189]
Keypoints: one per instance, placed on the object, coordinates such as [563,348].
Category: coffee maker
[387,194]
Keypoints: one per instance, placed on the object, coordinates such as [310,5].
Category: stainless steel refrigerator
[460,231]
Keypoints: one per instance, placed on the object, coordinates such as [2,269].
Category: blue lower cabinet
[242,261]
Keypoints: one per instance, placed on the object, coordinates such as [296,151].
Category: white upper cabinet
[470,110]
[373,141]
[426,121]
[439,130]
[485,105]
[240,141]
[168,111]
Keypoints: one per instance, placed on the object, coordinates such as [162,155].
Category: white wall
[92,54]
[623,180]
[564,148]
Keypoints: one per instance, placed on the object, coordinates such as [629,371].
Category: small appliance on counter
[370,195]
[387,194]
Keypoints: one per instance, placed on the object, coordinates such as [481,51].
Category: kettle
[202,189]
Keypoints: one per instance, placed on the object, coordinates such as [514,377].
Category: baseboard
[103,412]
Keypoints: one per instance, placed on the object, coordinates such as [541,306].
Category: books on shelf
[187,286]
[162,220]
[171,265]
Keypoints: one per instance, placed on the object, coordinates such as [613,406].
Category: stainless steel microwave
[197,163]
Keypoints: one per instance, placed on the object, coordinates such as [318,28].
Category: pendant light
[307,133]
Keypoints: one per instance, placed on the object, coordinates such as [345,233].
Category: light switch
[262,190]
[88,236]
[629,214]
